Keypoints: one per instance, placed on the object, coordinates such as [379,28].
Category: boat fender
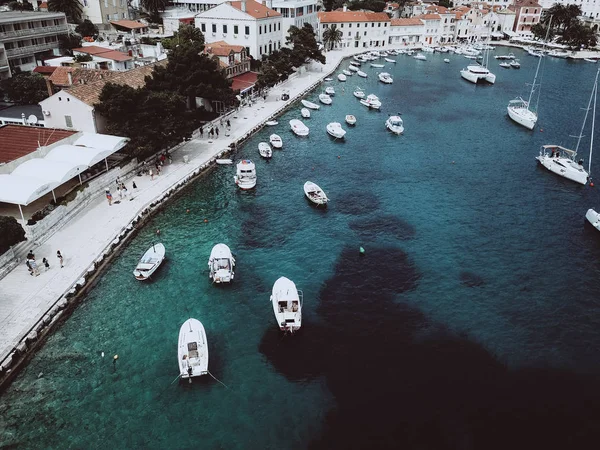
[541,130]
[205,220]
[361,250]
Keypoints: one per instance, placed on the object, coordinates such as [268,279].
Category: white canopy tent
[21,190]
[78,155]
[57,172]
[102,141]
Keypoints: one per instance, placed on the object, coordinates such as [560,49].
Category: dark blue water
[472,321]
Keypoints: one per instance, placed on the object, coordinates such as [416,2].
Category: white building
[433,28]
[247,23]
[197,5]
[359,29]
[447,29]
[406,31]
[296,13]
[101,12]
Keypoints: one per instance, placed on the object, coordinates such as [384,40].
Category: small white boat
[305,112]
[315,194]
[335,129]
[347,73]
[354,63]
[151,260]
[325,99]
[328,79]
[360,73]
[509,56]
[505,65]
[353,69]
[192,352]
[224,161]
[372,101]
[594,218]
[383,53]
[359,93]
[221,264]
[265,150]
[420,56]
[342,77]
[310,105]
[395,124]
[276,141]
[377,66]
[298,127]
[245,176]
[330,91]
[446,60]
[271,123]
[590,60]
[287,305]
[385,77]
[350,119]
[515,64]
[390,60]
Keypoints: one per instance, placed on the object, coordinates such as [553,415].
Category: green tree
[20,6]
[154,121]
[83,58]
[25,88]
[304,45]
[68,42]
[578,36]
[72,8]
[154,6]
[331,5]
[12,233]
[186,35]
[331,37]
[275,68]
[86,28]
[192,74]
[370,5]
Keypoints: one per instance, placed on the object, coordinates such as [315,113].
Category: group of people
[215,129]
[32,265]
[122,192]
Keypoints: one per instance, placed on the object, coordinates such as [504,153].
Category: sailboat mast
[538,66]
[587,111]
[593,123]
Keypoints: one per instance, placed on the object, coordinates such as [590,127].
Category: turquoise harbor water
[472,322]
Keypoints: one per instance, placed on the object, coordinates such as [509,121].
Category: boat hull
[221,264]
[523,117]
[565,168]
[192,351]
[477,77]
[594,218]
[150,262]
[287,305]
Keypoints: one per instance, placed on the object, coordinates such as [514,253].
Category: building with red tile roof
[232,58]
[17,141]
[360,29]
[527,14]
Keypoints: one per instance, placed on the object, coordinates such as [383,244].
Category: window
[68,122]
[124,16]
[341,25]
[279,26]
[203,27]
[379,25]
[224,29]
[17,26]
[247,50]
[30,25]
[106,3]
[114,2]
[247,33]
[235,29]
[365,33]
[372,24]
[270,28]
[349,33]
[108,17]
[260,29]
[214,27]
[349,25]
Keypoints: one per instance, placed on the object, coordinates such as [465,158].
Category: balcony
[34,32]
[30,49]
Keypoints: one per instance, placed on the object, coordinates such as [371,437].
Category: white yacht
[347,72]
[309,105]
[315,194]
[287,305]
[276,141]
[476,73]
[594,218]
[509,56]
[149,262]
[360,73]
[221,264]
[305,113]
[298,127]
[390,60]
[335,129]
[329,90]
[359,93]
[372,101]
[264,150]
[515,64]
[245,177]
[192,351]
[385,77]
[395,124]
[342,77]
[377,66]
[353,69]
[420,56]
[350,119]
[325,99]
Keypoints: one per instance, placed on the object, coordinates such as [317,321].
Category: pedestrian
[217,131]
[170,158]
[162,159]
[133,185]
[29,267]
[228,125]
[109,197]
[117,181]
[46,264]
[201,132]
[119,191]
[157,169]
[124,190]
[34,267]
[60,258]
[211,132]
[151,175]
[30,255]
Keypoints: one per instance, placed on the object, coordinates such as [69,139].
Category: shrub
[11,233]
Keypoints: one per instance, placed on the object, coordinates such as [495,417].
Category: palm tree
[332,36]
[71,8]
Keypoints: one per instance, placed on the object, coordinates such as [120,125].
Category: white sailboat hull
[522,116]
[594,218]
[192,351]
[564,167]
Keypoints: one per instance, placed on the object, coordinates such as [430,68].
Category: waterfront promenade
[24,299]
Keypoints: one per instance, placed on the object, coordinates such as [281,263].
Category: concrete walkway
[25,299]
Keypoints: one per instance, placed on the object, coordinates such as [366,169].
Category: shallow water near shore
[472,321]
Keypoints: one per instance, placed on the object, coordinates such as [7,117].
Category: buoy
[452,162]
[362,251]
[102,354]
[541,130]
[157,233]
[591,183]
[116,357]
[339,156]
[205,220]
[187,211]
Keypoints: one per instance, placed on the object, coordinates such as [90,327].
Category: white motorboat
[411,53]
[395,124]
[471,57]
[590,60]
[221,264]
[446,60]
[515,64]
[383,53]
[420,56]
[298,127]
[315,194]
[385,77]
[342,77]
[335,129]
[350,119]
[533,52]
[428,49]
[347,72]
[377,66]
[265,150]
[506,57]
[505,65]
[392,52]
[309,105]
[359,93]
[475,73]
[276,141]
[390,60]
[372,101]
[151,261]
[271,123]
[192,351]
[224,161]
[305,112]
[594,218]
[329,90]
[360,73]
[375,53]
[558,54]
[325,99]
[355,63]
[353,69]
[328,79]
[245,176]
[287,305]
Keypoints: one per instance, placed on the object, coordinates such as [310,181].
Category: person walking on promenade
[119,191]
[60,258]
[201,132]
[124,190]
[46,264]
[211,132]
[151,175]
[34,267]
[29,267]
[109,197]
[134,186]
[217,131]
[228,125]
[30,255]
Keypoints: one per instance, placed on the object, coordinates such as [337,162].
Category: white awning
[21,190]
[102,141]
[510,33]
[497,34]
[57,172]
[79,155]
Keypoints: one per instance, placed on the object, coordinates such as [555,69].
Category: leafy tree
[444,3]
[371,5]
[187,34]
[566,23]
[578,36]
[331,37]
[72,8]
[25,88]
[83,58]
[68,42]
[20,6]
[154,121]
[154,6]
[86,28]
[192,74]
[304,44]
[12,233]
[331,5]
[540,29]
[275,68]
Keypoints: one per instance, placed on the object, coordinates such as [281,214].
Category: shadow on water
[369,228]
[441,392]
[471,279]
[358,202]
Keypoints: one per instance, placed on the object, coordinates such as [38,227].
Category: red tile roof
[437,9]
[222,48]
[352,16]
[79,75]
[115,56]
[103,52]
[20,140]
[43,5]
[130,24]
[429,17]
[255,9]
[406,22]
[244,81]
[44,70]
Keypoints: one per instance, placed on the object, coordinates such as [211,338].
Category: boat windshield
[192,349]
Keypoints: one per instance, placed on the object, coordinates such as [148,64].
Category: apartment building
[4,66]
[28,37]
[101,12]
[359,29]
[296,13]
[528,13]
[406,31]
